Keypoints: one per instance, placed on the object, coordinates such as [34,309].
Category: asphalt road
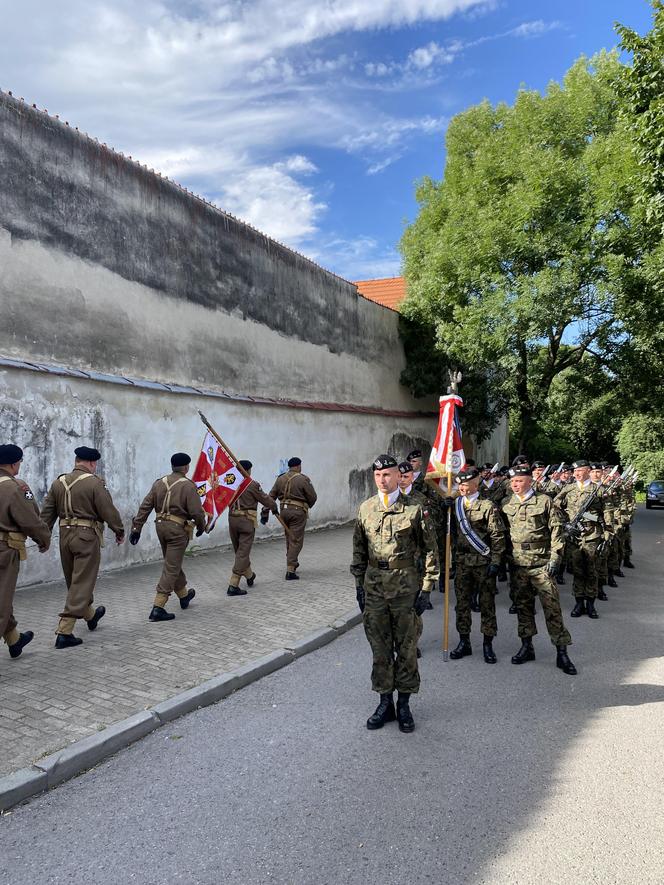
[513,775]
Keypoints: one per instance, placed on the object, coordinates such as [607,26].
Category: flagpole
[448,557]
[238,465]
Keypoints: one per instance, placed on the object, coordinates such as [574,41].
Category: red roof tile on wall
[389,292]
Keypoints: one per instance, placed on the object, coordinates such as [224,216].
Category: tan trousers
[80,554]
[9,565]
[174,540]
[242,532]
[296,520]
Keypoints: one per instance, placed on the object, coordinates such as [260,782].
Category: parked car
[655,494]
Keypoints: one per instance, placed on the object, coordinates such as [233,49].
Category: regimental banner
[447,454]
[217,477]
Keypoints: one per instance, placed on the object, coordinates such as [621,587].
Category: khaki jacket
[184,502]
[90,500]
[19,515]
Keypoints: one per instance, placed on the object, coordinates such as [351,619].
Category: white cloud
[535,28]
[428,55]
[359,258]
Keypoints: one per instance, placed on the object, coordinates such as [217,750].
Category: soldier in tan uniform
[296,494]
[19,519]
[242,520]
[178,508]
[83,504]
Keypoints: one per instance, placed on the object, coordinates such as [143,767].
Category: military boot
[502,574]
[580,608]
[236,591]
[463,648]
[23,639]
[560,578]
[404,716]
[619,573]
[627,562]
[590,609]
[185,600]
[563,662]
[475,601]
[100,611]
[383,713]
[291,576]
[525,653]
[487,649]
[160,614]
[612,581]
[250,581]
[67,640]
[513,609]
[602,595]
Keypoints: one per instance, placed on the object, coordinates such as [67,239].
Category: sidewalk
[49,698]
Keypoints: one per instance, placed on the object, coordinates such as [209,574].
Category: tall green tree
[527,256]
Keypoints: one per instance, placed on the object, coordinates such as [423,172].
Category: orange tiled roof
[389,292]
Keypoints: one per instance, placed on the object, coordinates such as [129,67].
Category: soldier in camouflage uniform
[537,545]
[604,576]
[584,545]
[390,534]
[476,571]
[437,510]
[612,514]
[627,509]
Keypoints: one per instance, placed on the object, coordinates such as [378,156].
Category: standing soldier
[537,544]
[390,534]
[437,511]
[585,541]
[296,494]
[627,510]
[480,547]
[411,494]
[19,519]
[83,503]
[242,520]
[603,574]
[178,508]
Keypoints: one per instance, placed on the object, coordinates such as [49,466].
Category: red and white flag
[217,477]
[447,454]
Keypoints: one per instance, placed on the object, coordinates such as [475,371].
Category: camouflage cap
[384,462]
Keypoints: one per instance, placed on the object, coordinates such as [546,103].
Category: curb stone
[83,754]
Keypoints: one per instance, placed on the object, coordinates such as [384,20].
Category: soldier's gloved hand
[552,568]
[275,510]
[359,595]
[119,538]
[421,603]
[199,532]
[571,531]
[492,570]
[264,518]
[448,501]
[134,537]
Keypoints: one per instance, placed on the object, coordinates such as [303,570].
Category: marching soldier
[586,540]
[178,509]
[608,501]
[390,534]
[297,495]
[537,544]
[19,519]
[627,509]
[83,504]
[242,520]
[480,547]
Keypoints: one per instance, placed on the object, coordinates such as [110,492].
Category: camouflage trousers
[392,627]
[627,542]
[615,553]
[603,567]
[531,581]
[472,579]
[585,569]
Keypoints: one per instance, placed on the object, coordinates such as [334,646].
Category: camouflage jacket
[570,500]
[436,505]
[485,520]
[536,530]
[388,542]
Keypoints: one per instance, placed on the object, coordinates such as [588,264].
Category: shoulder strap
[288,485]
[166,506]
[5,478]
[69,510]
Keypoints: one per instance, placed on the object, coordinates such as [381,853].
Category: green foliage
[640,442]
[527,257]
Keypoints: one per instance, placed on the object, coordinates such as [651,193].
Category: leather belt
[69,521]
[288,502]
[15,541]
[394,562]
[170,517]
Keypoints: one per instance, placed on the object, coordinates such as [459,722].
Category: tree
[641,442]
[527,255]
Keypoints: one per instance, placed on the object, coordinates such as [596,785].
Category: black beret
[605,464]
[246,464]
[416,453]
[520,459]
[580,463]
[504,470]
[405,467]
[521,470]
[538,464]
[10,454]
[383,462]
[467,472]
[85,453]
[470,463]
[565,467]
[180,459]
[596,465]
[294,462]
[487,466]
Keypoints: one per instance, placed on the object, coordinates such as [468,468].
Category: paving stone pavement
[50,697]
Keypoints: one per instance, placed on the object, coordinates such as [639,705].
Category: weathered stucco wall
[137,430]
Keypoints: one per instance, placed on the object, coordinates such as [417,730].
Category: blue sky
[310,119]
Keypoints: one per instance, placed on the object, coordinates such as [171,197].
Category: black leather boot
[236,591]
[489,653]
[627,562]
[525,653]
[419,653]
[67,640]
[612,581]
[502,574]
[475,602]
[563,662]
[513,609]
[23,639]
[619,573]
[250,581]
[404,716]
[291,576]
[580,608]
[184,602]
[602,595]
[590,609]
[560,578]
[463,648]
[160,614]
[100,611]
[383,713]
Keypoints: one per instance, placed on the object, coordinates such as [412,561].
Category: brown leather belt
[288,502]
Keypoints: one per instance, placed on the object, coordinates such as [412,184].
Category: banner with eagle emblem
[217,478]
